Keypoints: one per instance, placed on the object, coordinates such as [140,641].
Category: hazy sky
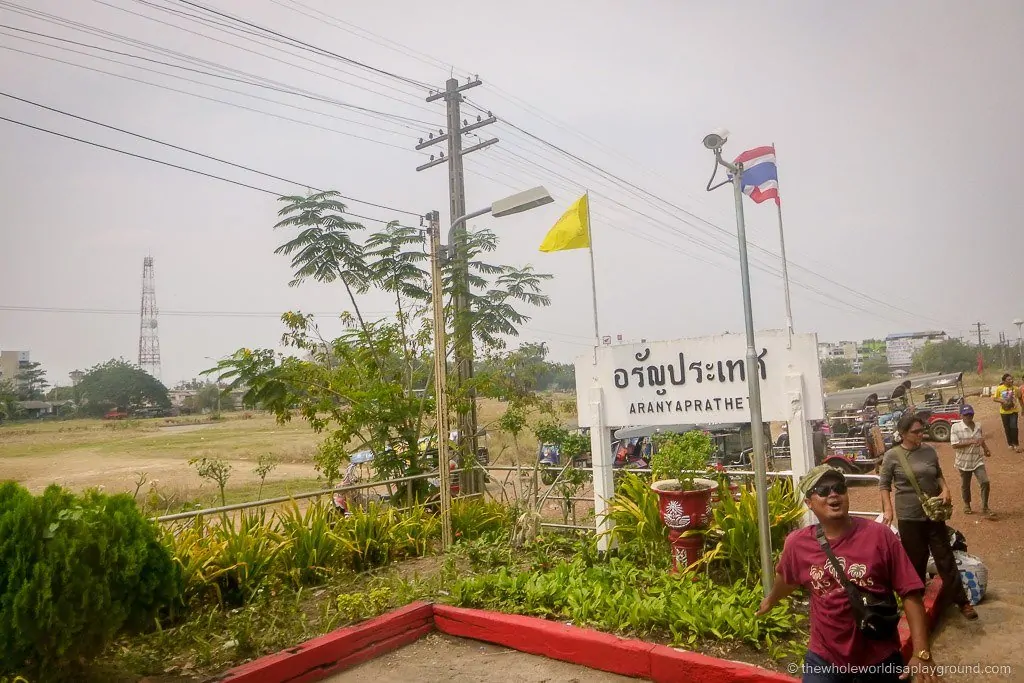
[898,128]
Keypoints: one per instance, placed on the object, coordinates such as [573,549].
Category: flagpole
[782,252]
[593,270]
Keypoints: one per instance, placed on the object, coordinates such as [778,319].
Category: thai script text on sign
[696,381]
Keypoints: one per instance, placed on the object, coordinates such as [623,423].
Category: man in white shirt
[971,450]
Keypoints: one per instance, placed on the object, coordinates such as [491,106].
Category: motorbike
[632,453]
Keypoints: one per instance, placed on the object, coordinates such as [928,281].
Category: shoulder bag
[877,618]
[935,508]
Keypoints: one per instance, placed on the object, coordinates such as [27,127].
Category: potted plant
[684,498]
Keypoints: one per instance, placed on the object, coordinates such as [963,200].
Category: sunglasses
[919,430]
[825,490]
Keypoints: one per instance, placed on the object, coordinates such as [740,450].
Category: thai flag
[760,174]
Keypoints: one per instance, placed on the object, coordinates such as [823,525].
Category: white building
[12,363]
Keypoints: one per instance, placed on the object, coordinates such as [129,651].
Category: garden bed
[352,646]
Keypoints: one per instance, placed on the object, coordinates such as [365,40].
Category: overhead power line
[304,44]
[163,312]
[225,102]
[251,79]
[140,156]
[172,165]
[200,154]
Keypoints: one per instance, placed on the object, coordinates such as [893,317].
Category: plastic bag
[973,574]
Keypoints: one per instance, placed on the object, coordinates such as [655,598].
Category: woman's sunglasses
[825,490]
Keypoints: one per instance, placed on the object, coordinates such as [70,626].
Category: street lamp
[714,141]
[517,203]
[1020,347]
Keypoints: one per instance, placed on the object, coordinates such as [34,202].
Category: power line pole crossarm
[463,328]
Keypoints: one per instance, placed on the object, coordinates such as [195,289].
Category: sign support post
[801,444]
[601,457]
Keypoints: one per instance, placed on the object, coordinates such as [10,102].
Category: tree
[119,384]
[876,366]
[372,386]
[8,400]
[951,355]
[834,367]
[324,249]
[31,381]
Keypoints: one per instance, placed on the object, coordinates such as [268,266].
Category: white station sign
[697,381]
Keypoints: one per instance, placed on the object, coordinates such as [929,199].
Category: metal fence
[533,471]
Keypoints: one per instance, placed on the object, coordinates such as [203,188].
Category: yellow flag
[572,231]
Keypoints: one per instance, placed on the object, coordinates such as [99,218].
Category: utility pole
[440,378]
[463,327]
[979,326]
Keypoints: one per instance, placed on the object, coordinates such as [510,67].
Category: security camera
[716,138]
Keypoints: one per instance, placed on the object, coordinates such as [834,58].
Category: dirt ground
[80,454]
[438,658]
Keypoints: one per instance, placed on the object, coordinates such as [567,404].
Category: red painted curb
[671,666]
[548,638]
[350,645]
[931,611]
[594,649]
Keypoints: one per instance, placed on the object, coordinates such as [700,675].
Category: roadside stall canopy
[856,399]
[634,432]
[937,380]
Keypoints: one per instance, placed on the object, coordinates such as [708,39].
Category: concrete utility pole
[1020,342]
[980,326]
[463,328]
[440,378]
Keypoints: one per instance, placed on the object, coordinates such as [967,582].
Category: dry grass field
[80,454]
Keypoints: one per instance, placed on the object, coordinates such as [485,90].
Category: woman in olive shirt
[918,534]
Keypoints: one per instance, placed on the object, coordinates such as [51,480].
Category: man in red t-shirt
[875,562]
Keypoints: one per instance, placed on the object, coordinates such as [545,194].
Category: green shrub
[622,597]
[634,510]
[416,529]
[313,549]
[474,518]
[368,536]
[248,557]
[74,571]
[732,539]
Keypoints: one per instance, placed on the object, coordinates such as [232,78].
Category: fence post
[801,445]
[601,455]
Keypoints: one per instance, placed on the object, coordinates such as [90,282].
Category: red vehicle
[943,394]
[115,414]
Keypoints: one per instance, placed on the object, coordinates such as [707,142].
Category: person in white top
[971,450]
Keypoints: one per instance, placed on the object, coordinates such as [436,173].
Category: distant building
[12,363]
[847,350]
[900,348]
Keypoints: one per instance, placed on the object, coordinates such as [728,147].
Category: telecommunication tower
[149,338]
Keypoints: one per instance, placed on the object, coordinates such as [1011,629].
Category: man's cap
[966,409]
[815,475]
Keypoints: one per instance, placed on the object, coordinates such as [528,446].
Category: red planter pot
[685,510]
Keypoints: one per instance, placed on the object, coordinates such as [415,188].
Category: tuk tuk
[733,441]
[942,394]
[863,424]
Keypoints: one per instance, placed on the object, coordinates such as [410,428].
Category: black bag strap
[852,592]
